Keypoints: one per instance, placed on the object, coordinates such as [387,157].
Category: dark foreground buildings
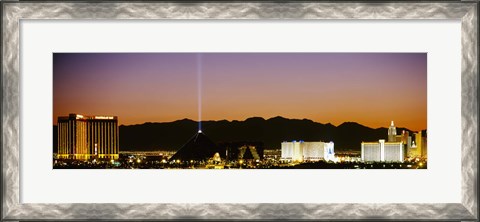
[198,148]
[243,150]
[201,148]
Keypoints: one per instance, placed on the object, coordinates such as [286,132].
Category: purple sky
[369,88]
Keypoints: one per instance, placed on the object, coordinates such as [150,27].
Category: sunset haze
[368,88]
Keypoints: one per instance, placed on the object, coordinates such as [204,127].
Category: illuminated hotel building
[87,137]
[419,146]
[382,151]
[299,151]
[391,151]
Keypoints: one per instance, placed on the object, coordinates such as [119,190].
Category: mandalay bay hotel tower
[87,137]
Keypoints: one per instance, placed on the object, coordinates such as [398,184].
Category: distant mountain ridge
[172,135]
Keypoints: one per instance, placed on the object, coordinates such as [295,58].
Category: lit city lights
[201,153]
[240,111]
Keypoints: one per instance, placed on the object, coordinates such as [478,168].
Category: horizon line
[259,117]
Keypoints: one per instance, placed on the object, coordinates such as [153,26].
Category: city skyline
[368,88]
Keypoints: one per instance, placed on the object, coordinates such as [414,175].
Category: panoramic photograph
[239,111]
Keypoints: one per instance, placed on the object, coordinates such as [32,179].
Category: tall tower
[88,137]
[392,132]
[419,143]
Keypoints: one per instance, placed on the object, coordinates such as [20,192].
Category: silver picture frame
[14,12]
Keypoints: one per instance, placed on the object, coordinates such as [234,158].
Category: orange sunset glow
[368,88]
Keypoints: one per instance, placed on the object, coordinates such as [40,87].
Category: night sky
[369,88]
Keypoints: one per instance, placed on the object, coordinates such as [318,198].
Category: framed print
[251,111]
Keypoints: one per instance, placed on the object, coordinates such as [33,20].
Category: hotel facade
[382,151]
[88,137]
[396,149]
[300,151]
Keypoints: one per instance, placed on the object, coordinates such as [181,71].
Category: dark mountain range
[173,135]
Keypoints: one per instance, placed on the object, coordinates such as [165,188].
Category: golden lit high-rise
[87,137]
[392,132]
